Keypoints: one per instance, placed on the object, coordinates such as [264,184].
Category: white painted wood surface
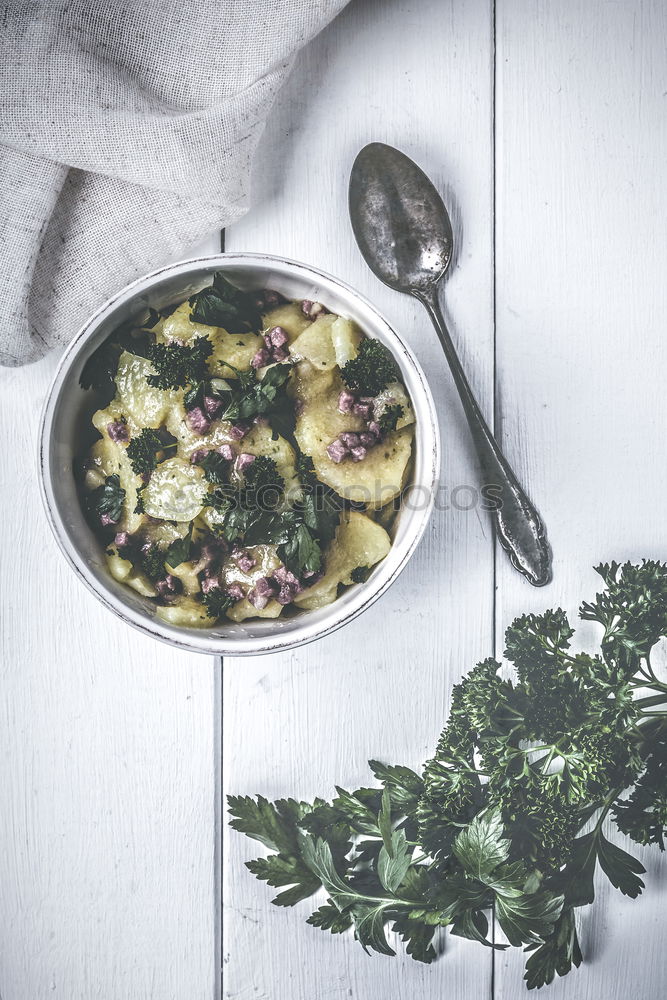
[581,250]
[417,76]
[108,776]
[108,741]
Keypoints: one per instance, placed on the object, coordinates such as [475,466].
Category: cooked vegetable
[372,370]
[179,365]
[143,450]
[107,500]
[222,304]
[512,810]
[218,511]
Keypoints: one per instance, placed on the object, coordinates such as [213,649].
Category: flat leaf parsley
[512,811]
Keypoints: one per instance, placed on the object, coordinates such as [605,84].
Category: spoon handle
[519,527]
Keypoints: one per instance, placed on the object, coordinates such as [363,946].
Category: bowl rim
[202,641]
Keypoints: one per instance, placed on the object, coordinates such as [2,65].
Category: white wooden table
[543,122]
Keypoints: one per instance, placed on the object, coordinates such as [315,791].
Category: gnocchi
[250,459]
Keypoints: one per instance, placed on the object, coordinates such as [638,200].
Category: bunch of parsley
[509,816]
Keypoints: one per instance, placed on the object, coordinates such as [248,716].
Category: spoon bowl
[399,220]
[404,233]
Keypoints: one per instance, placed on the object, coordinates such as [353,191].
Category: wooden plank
[417,76]
[581,256]
[108,756]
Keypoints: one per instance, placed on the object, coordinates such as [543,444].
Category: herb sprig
[222,304]
[512,810]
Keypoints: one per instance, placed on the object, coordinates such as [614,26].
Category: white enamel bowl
[66,427]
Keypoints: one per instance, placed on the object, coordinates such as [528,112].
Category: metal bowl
[66,427]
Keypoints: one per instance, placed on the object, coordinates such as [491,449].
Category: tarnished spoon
[403,231]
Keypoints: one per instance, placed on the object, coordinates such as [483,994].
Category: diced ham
[276,337]
[235,590]
[118,431]
[358,454]
[198,421]
[238,431]
[312,309]
[350,439]
[199,455]
[227,452]
[122,540]
[244,561]
[367,439]
[209,582]
[362,410]
[244,461]
[345,401]
[211,554]
[261,358]
[268,299]
[169,586]
[106,520]
[337,451]
[288,583]
[262,592]
[212,406]
[374,428]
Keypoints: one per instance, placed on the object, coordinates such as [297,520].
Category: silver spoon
[404,233]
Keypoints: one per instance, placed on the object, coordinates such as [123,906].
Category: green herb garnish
[143,449]
[222,304]
[178,366]
[390,417]
[151,562]
[372,370]
[360,574]
[108,499]
[217,601]
[251,398]
[179,550]
[510,812]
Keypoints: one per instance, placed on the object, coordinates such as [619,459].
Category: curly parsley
[497,818]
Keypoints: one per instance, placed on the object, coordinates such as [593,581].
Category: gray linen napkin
[127,130]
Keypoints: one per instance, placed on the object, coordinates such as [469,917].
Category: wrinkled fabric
[127,131]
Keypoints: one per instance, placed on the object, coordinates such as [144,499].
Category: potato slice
[111,414]
[187,573]
[315,343]
[186,613]
[107,458]
[236,348]
[188,440]
[244,609]
[266,561]
[119,568]
[289,316]
[359,541]
[174,491]
[375,480]
[259,441]
[346,337]
[148,407]
[394,395]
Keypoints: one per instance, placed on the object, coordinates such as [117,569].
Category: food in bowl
[251,455]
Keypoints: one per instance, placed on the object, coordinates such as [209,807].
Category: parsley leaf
[108,499]
[217,601]
[371,370]
[222,304]
[179,550]
[521,769]
[179,365]
[142,451]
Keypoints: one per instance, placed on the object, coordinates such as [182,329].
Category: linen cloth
[127,130]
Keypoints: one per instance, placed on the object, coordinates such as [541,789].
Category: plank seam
[495,418]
